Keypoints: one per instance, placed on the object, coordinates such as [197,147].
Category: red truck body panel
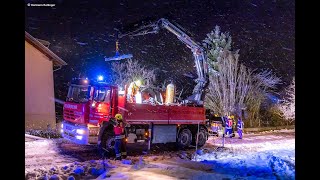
[146,113]
[186,115]
[162,114]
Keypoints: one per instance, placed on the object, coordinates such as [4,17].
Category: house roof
[42,48]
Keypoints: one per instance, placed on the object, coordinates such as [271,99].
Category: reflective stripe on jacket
[240,125]
[119,137]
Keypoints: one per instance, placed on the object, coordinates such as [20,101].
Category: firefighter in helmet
[120,140]
[228,126]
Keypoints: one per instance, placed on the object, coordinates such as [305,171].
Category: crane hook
[117,47]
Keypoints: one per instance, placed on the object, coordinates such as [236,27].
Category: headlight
[81,131]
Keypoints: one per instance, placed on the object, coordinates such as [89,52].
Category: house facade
[40,63]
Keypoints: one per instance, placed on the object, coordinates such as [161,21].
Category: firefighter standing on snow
[240,127]
[228,126]
[120,142]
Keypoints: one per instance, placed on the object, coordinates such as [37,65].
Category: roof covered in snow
[45,50]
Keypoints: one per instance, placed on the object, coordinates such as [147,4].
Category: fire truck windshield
[102,94]
[78,94]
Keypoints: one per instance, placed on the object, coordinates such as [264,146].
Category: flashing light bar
[100,78]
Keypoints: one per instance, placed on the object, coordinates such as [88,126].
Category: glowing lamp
[85,81]
[99,106]
[100,78]
[93,104]
[138,83]
[79,137]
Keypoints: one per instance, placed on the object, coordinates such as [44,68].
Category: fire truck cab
[88,103]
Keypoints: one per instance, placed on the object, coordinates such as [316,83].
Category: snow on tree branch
[287,107]
[227,91]
[268,79]
[129,71]
[233,87]
[215,43]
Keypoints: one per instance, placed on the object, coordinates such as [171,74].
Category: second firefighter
[120,139]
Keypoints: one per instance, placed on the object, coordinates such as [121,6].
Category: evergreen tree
[215,43]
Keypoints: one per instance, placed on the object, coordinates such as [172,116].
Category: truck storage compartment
[164,133]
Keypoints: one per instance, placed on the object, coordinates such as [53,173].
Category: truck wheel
[184,138]
[107,142]
[202,138]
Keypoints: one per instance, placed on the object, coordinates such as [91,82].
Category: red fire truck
[90,105]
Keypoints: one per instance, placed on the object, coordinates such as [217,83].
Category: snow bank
[42,155]
[266,157]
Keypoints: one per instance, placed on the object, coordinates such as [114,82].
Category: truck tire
[184,138]
[107,143]
[202,138]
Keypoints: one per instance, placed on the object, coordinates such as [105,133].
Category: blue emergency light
[100,78]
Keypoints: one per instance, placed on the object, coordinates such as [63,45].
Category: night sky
[82,33]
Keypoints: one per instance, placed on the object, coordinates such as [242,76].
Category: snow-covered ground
[268,155]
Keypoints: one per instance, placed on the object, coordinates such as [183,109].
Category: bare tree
[236,87]
[228,90]
[260,85]
[129,71]
[287,107]
[119,76]
[233,87]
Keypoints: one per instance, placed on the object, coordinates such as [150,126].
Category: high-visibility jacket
[119,132]
[240,124]
[228,124]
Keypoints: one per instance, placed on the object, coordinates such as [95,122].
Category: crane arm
[199,58]
[197,50]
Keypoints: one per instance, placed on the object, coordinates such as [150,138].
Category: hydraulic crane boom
[197,50]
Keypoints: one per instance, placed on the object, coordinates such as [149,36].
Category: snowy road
[267,155]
